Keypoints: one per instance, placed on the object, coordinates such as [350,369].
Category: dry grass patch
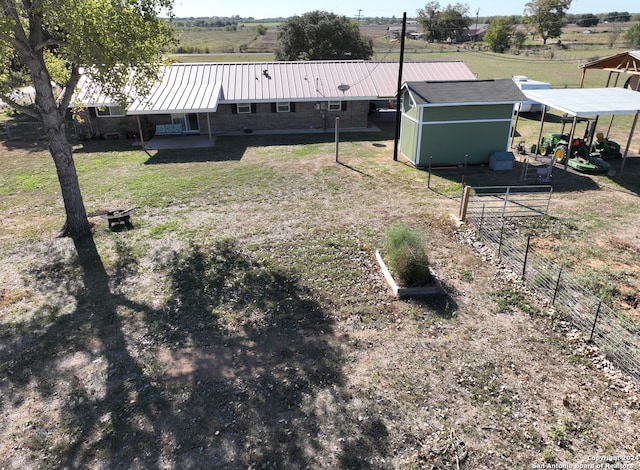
[244,323]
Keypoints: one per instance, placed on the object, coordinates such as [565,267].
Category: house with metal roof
[456,122]
[218,98]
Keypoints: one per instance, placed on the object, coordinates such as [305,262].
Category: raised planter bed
[406,292]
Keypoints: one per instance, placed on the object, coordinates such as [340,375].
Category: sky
[374,8]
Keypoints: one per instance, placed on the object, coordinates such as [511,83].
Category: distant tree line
[588,18]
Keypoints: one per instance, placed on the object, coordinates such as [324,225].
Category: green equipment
[605,147]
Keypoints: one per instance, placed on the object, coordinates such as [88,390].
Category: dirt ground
[259,333]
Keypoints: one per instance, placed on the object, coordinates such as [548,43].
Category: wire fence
[24,131]
[615,333]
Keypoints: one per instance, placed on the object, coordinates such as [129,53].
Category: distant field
[553,63]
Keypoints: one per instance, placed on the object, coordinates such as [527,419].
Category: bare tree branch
[20,107]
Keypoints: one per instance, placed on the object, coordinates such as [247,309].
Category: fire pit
[119,216]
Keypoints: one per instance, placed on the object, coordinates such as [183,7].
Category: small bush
[407,257]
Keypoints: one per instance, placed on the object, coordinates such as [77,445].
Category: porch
[190,141]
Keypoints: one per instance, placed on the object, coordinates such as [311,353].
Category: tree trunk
[77,225]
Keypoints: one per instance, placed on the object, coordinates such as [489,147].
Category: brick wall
[304,115]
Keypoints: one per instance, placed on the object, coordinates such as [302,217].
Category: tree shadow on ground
[234,147]
[238,367]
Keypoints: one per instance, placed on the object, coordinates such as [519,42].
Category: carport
[588,102]
[627,63]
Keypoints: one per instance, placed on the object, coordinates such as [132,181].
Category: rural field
[243,322]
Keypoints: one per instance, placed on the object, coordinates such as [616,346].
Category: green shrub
[407,257]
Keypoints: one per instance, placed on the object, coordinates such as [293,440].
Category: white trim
[331,105]
[470,121]
[238,105]
[411,118]
[109,111]
[469,103]
[286,106]
[419,145]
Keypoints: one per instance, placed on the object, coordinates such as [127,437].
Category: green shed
[453,122]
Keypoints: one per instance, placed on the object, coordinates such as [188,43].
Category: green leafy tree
[428,17]
[518,39]
[618,17]
[499,34]
[588,20]
[116,42]
[446,24]
[546,17]
[632,36]
[320,35]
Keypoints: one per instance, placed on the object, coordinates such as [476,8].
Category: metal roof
[625,61]
[460,93]
[202,86]
[584,102]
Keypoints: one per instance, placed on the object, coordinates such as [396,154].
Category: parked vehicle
[606,148]
[577,155]
[524,83]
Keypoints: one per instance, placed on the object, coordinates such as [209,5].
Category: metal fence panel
[616,333]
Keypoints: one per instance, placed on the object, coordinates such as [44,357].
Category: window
[187,122]
[108,111]
[283,107]
[243,108]
[335,105]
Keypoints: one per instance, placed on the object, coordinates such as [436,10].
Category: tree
[115,42]
[320,35]
[618,16]
[518,39]
[588,20]
[632,36]
[442,25]
[546,17]
[455,21]
[499,34]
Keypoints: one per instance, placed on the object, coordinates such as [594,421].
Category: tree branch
[47,43]
[21,108]
[69,90]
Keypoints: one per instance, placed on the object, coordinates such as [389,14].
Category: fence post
[595,320]
[526,255]
[506,199]
[464,202]
[481,218]
[555,292]
[546,211]
[500,242]
[429,177]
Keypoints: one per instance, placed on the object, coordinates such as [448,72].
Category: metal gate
[505,201]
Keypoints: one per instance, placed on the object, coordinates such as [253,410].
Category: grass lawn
[243,321]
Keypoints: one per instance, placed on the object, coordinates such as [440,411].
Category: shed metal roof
[202,86]
[584,102]
[460,93]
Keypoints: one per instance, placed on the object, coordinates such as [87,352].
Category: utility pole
[475,33]
[398,94]
[359,11]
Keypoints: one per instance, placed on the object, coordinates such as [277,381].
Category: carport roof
[625,61]
[584,102]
